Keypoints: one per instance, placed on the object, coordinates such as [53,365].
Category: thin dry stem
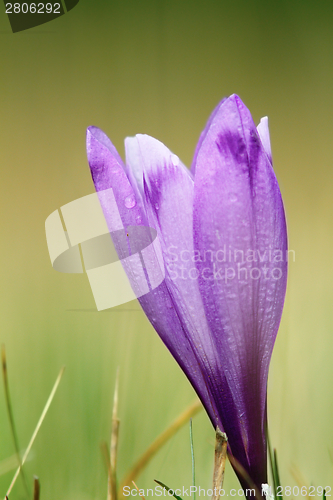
[11,416]
[112,470]
[143,498]
[38,426]
[10,463]
[36,488]
[221,445]
[115,427]
[141,463]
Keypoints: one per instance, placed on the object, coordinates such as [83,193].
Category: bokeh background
[157,67]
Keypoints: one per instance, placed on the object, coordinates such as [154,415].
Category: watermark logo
[24,15]
[227,264]
[125,263]
[122,263]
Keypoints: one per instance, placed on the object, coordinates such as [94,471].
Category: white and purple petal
[108,171]
[263,132]
[168,188]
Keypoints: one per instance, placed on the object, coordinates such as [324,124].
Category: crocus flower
[222,230]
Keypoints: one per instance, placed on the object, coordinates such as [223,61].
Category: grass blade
[112,475]
[168,489]
[143,498]
[271,463]
[10,463]
[11,416]
[38,426]
[192,457]
[277,475]
[156,445]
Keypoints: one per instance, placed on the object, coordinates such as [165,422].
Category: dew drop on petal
[157,206]
[138,219]
[232,197]
[130,201]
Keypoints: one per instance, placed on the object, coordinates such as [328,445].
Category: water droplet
[138,219]
[130,201]
[175,160]
[232,197]
[157,206]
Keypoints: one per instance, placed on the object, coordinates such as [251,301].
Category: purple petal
[203,136]
[134,167]
[134,162]
[238,208]
[107,172]
[119,205]
[103,139]
[169,206]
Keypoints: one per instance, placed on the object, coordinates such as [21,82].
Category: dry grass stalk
[36,488]
[156,445]
[38,426]
[11,416]
[221,444]
[112,474]
[143,498]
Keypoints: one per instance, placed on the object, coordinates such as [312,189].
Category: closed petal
[169,207]
[134,162]
[108,171]
[203,136]
[239,215]
[134,168]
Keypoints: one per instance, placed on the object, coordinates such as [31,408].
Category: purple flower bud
[222,230]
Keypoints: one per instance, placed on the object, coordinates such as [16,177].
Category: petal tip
[263,131]
[235,98]
[264,121]
[94,131]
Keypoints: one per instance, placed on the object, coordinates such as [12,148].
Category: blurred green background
[157,67]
